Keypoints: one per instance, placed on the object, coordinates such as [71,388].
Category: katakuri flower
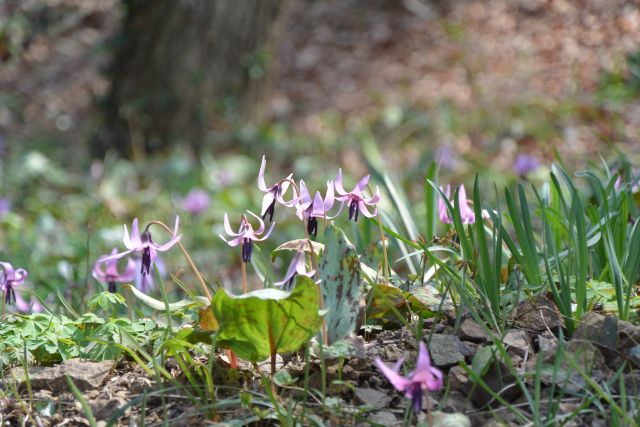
[9,279]
[107,272]
[274,193]
[196,201]
[357,203]
[298,266]
[424,378]
[246,235]
[309,210]
[525,163]
[138,242]
[466,213]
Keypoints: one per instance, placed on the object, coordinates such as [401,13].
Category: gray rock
[518,341]
[373,398]
[547,345]
[86,375]
[385,418]
[446,350]
[537,314]
[471,331]
[104,409]
[458,380]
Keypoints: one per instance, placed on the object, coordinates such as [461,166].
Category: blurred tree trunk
[179,64]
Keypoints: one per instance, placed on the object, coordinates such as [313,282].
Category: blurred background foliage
[111,110]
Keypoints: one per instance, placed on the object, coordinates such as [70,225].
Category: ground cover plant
[516,305]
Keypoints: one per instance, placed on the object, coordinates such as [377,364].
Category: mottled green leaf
[159,305]
[340,273]
[266,321]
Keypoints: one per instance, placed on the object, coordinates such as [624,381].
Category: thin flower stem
[385,259]
[244,277]
[314,263]
[2,312]
[188,258]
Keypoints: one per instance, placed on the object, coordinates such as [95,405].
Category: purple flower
[110,274]
[246,234]
[196,201]
[357,203]
[446,157]
[9,279]
[525,163]
[5,206]
[310,210]
[273,193]
[298,266]
[424,378]
[26,307]
[466,213]
[143,243]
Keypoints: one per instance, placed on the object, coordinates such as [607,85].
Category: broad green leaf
[340,273]
[295,245]
[159,305]
[266,321]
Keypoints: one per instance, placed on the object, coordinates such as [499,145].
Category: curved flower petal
[227,227]
[261,184]
[398,381]
[118,255]
[373,199]
[365,211]
[166,246]
[133,241]
[328,198]
[260,221]
[266,235]
[338,184]
[361,186]
[267,201]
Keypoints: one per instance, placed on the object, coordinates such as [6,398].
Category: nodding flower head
[274,193]
[309,210]
[466,213]
[298,266]
[142,242]
[525,163]
[424,378]
[107,271]
[9,279]
[356,201]
[246,235]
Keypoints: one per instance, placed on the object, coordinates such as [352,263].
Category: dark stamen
[112,286]
[145,266]
[9,293]
[290,282]
[247,249]
[353,210]
[270,210]
[416,397]
[312,226]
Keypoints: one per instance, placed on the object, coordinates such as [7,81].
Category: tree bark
[179,65]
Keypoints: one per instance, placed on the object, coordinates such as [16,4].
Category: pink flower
[196,201]
[466,213]
[310,210]
[9,279]
[298,266]
[424,378]
[246,234]
[110,274]
[357,203]
[273,193]
[138,242]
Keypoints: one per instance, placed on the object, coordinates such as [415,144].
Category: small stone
[537,314]
[104,409]
[471,331]
[586,355]
[373,398]
[384,418]
[518,341]
[458,379]
[547,343]
[446,350]
[86,375]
